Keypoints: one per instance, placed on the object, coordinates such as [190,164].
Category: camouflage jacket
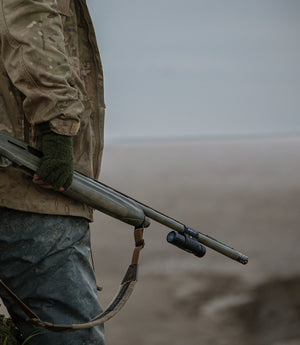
[50,70]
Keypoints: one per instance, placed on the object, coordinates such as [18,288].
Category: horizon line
[202,137]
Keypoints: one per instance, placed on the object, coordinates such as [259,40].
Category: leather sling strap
[125,291]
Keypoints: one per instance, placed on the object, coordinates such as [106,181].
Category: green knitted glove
[57,163]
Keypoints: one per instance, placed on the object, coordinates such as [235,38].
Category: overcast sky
[192,67]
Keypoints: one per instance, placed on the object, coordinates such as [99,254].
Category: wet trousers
[45,260]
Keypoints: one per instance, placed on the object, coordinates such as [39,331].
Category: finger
[42,184]
[37,180]
[46,186]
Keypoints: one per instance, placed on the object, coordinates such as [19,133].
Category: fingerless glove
[57,163]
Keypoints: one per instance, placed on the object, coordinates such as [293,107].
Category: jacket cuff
[66,120]
[63,126]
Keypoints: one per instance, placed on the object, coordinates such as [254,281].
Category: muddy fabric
[50,70]
[45,261]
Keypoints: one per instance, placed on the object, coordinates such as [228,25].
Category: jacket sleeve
[33,53]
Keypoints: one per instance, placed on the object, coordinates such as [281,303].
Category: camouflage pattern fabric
[50,70]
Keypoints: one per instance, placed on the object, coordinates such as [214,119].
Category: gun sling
[126,288]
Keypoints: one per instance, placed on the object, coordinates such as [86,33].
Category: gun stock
[114,203]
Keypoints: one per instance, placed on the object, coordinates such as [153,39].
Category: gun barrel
[172,223]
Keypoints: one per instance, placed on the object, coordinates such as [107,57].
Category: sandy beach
[244,192]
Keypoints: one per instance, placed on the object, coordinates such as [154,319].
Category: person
[51,97]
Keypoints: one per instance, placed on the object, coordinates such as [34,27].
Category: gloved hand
[57,164]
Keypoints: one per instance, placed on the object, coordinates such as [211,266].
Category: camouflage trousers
[45,260]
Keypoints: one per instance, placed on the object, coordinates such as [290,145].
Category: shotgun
[99,196]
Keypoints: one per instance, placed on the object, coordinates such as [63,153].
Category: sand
[245,192]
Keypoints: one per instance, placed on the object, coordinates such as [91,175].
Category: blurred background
[197,68]
[203,124]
